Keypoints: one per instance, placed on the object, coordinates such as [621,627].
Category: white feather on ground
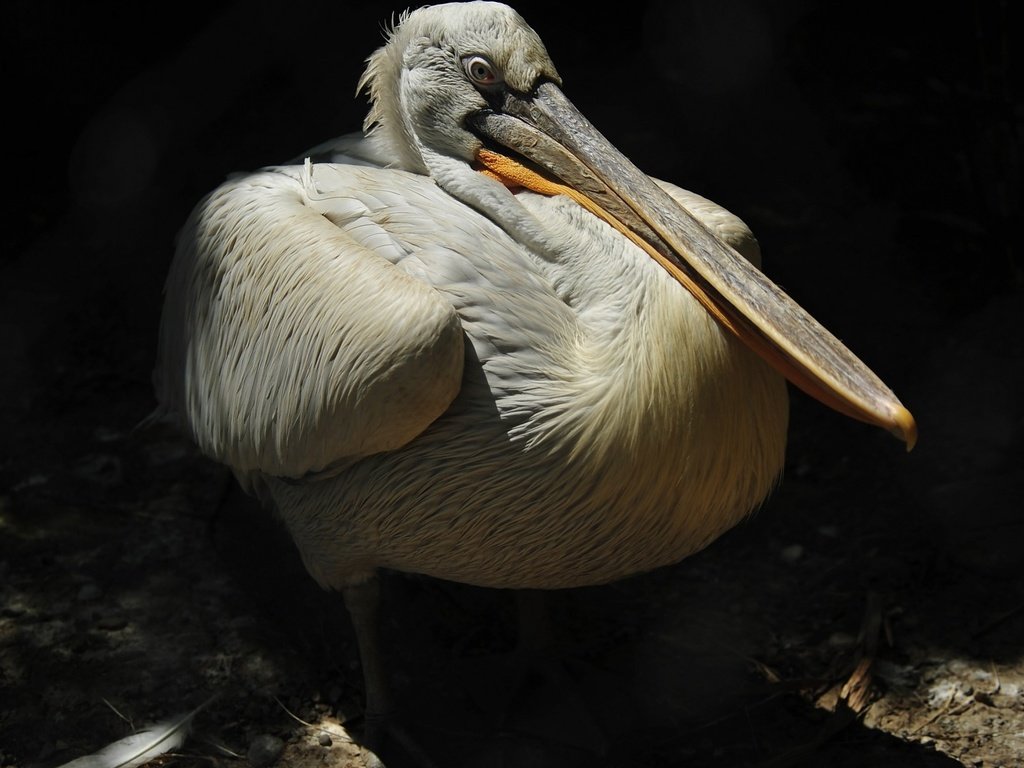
[141,747]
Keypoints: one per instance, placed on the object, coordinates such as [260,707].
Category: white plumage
[594,389]
[423,368]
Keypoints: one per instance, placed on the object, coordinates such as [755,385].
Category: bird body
[528,419]
[477,343]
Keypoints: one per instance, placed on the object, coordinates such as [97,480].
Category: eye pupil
[481,71]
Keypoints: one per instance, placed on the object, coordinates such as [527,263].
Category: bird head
[466,93]
[442,63]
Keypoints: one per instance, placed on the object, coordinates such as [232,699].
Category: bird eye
[481,71]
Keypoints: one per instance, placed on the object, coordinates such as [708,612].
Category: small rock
[48,749]
[842,640]
[89,592]
[106,435]
[31,481]
[165,453]
[792,553]
[264,750]
[13,611]
[111,622]
[101,469]
[325,739]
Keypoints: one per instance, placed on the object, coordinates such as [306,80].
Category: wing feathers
[287,347]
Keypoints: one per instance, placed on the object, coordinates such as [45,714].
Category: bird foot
[382,734]
[534,696]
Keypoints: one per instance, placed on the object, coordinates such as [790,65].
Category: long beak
[555,150]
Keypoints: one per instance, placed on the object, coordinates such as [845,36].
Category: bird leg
[534,625]
[536,653]
[363,601]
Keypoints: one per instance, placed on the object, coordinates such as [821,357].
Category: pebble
[111,622]
[264,750]
[842,640]
[30,482]
[101,469]
[48,749]
[13,611]
[165,453]
[792,553]
[106,435]
[89,592]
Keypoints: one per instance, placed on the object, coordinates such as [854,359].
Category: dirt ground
[870,614]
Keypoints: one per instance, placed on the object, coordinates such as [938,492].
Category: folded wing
[286,345]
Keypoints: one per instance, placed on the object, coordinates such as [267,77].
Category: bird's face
[472,82]
[446,62]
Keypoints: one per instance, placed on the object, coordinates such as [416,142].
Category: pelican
[475,342]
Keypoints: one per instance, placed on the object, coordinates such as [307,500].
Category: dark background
[874,148]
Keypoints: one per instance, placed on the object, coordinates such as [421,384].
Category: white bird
[479,344]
